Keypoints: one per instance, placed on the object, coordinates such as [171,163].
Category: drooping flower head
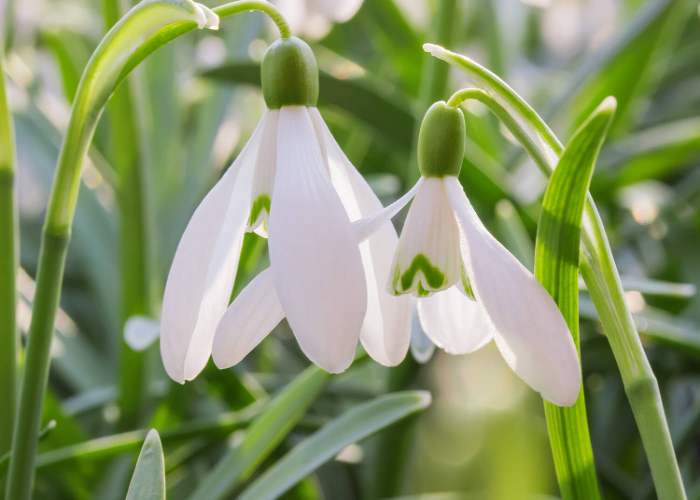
[470,288]
[292,184]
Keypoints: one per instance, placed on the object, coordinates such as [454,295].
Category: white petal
[204,269]
[247,321]
[529,328]
[364,228]
[386,331]
[140,332]
[315,259]
[453,322]
[264,176]
[422,348]
[428,257]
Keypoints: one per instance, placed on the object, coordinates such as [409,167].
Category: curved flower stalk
[471,289]
[147,26]
[293,184]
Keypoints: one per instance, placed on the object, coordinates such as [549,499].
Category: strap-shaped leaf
[354,425]
[148,481]
[557,268]
[264,434]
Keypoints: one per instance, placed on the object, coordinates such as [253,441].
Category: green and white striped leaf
[557,267]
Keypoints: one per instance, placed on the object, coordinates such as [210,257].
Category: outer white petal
[247,321]
[204,268]
[428,256]
[386,331]
[453,322]
[528,327]
[316,263]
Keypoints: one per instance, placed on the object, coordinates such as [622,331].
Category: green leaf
[264,434]
[148,481]
[351,427]
[557,268]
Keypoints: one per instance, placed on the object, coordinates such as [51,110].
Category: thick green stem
[9,242]
[149,25]
[36,364]
[602,279]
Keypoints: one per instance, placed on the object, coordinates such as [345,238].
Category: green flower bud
[441,141]
[289,74]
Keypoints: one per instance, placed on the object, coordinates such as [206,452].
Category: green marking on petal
[467,284]
[433,276]
[422,292]
[261,203]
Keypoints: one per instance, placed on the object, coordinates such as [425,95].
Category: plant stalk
[146,27]
[9,253]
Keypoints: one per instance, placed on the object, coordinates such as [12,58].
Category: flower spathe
[292,184]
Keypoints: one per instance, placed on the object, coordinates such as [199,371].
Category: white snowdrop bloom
[315,18]
[447,257]
[292,184]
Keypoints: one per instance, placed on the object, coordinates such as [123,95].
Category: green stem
[9,253]
[602,279]
[149,25]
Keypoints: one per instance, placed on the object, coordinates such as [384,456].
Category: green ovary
[433,277]
[261,203]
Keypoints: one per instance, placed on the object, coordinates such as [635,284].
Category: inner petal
[428,256]
[264,177]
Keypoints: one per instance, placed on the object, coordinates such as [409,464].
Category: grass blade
[264,434]
[355,425]
[148,481]
[557,267]
[9,256]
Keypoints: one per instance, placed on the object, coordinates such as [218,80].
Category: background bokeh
[195,103]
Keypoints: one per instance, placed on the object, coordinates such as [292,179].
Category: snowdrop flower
[315,18]
[470,288]
[292,181]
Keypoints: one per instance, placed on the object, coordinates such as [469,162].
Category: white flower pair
[333,251]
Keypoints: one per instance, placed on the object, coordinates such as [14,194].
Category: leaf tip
[433,49]
[425,398]
[608,106]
